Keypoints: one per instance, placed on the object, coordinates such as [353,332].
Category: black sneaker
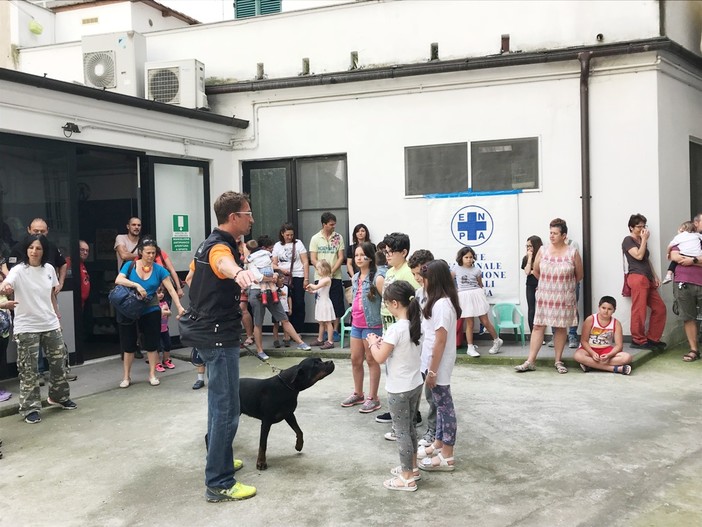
[643,346]
[66,405]
[657,345]
[384,418]
[198,384]
[33,418]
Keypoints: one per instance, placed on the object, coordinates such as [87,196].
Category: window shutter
[249,8]
[270,6]
[244,8]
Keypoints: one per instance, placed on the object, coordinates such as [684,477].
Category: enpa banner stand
[487,222]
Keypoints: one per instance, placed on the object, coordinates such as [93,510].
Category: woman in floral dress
[558,267]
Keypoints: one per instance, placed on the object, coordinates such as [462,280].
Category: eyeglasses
[248,213]
[640,226]
[388,252]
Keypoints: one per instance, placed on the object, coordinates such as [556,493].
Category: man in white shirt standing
[125,244]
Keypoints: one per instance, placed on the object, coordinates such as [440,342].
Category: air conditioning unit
[115,62]
[177,82]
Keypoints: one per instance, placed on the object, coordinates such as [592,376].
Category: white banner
[489,225]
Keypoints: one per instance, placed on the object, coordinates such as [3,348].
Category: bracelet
[431,373]
[237,273]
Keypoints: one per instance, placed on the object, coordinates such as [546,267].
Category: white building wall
[123,16]
[683,23]
[386,33]
[373,129]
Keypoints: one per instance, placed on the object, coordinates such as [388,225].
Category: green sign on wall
[181,241]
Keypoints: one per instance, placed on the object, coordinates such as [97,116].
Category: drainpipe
[584,58]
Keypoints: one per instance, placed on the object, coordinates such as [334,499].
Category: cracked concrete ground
[533,449]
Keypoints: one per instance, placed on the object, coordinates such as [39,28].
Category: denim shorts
[361,333]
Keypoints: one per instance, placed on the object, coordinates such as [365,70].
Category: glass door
[179,212]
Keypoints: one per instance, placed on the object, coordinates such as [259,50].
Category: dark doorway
[108,195]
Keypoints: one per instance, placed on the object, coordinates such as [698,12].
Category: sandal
[691,356]
[527,366]
[400,483]
[397,471]
[561,367]
[424,452]
[443,466]
[624,370]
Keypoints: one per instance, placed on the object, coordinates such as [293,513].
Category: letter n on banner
[489,225]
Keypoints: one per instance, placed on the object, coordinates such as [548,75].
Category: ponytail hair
[403,293]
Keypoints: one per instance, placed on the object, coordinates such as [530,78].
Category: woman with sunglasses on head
[145,276]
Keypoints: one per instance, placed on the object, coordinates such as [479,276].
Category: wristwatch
[695,260]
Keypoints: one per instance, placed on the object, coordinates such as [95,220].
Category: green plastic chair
[503,317]
[344,328]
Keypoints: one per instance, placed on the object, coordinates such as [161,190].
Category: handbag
[626,290]
[288,278]
[127,302]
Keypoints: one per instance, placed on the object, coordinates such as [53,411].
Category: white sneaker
[496,345]
[668,279]
[472,351]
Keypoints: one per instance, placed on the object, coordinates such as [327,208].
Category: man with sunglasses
[212,324]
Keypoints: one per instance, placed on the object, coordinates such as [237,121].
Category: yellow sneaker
[238,464]
[238,491]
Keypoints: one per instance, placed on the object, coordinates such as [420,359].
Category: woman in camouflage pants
[37,323]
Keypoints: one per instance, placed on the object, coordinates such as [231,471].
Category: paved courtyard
[534,449]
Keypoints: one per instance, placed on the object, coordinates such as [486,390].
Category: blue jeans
[222,414]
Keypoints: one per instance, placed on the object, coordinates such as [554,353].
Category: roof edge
[465,64]
[117,98]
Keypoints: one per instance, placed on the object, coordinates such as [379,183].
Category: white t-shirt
[443,315]
[33,286]
[123,239]
[689,243]
[402,366]
[284,254]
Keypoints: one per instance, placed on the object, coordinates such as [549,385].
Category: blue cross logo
[472,225]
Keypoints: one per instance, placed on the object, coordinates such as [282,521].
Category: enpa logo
[472,225]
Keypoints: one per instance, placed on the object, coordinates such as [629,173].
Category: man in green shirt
[329,245]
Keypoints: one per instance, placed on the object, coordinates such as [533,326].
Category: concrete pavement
[533,449]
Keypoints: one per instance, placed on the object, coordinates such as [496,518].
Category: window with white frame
[506,164]
[436,169]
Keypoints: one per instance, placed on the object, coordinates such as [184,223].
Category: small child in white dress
[323,308]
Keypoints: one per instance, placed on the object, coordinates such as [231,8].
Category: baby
[260,257]
[689,241]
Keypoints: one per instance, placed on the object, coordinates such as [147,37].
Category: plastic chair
[503,316]
[344,328]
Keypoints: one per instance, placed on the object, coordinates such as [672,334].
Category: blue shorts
[361,333]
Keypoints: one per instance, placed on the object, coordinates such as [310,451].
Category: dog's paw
[298,444]
[261,465]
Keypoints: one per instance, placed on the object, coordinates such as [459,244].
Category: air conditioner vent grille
[164,85]
[99,69]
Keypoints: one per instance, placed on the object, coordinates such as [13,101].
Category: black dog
[274,399]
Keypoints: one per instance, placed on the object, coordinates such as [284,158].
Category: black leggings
[531,303]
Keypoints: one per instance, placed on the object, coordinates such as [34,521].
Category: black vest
[214,303]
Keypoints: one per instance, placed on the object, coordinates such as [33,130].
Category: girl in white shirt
[440,313]
[399,350]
